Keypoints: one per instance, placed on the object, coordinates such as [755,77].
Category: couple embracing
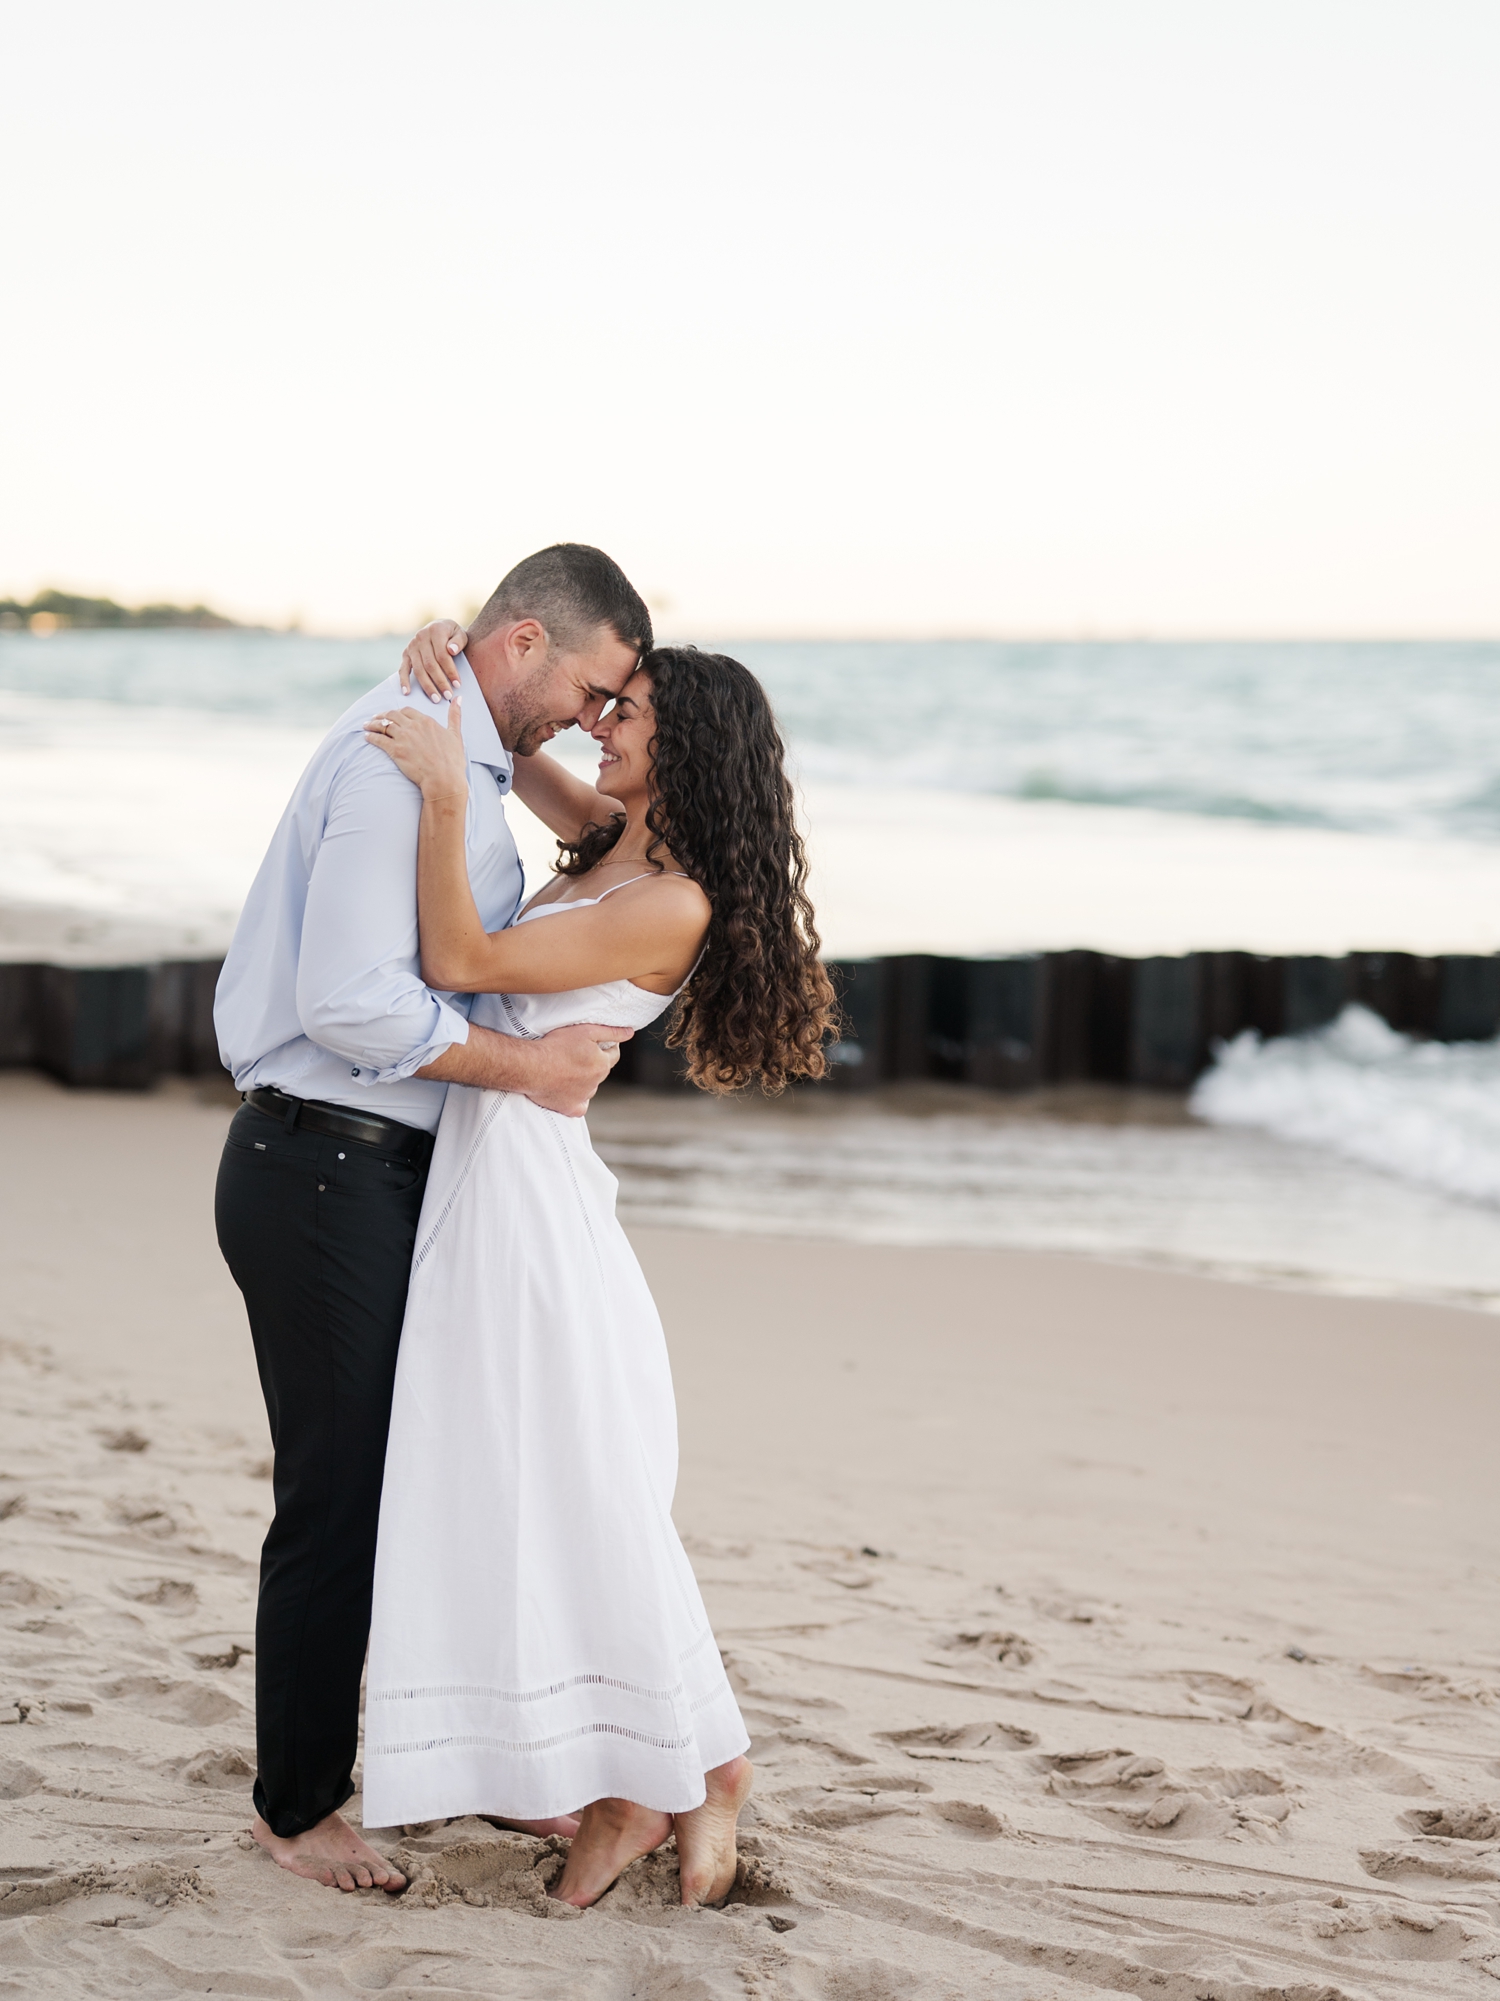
[466,1379]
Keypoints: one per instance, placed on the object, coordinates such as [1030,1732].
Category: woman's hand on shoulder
[430,755]
[429,659]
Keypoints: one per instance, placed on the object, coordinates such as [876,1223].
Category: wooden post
[909,982]
[18,985]
[1401,988]
[1004,1023]
[94,1025]
[1468,1006]
[855,1060]
[1087,1017]
[200,1041]
[653,1064]
[1317,991]
[1167,1042]
[1241,990]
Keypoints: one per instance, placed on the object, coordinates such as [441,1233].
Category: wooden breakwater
[119,1027]
[1005,1024]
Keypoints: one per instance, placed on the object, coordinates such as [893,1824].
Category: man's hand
[560,1072]
[574,1062]
[429,659]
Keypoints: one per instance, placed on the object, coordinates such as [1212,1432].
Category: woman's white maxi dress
[538,1639]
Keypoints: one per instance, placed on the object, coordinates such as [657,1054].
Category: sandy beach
[1101,1630]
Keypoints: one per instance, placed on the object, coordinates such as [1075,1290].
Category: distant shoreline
[65,611]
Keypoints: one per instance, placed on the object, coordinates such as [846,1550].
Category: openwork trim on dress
[526,1695]
[697,1646]
[538,1744]
[513,1017]
[588,1680]
[463,1174]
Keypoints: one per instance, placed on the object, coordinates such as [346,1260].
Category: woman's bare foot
[330,1853]
[706,1855]
[611,1835]
[565,1824]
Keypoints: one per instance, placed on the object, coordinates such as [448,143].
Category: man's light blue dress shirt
[321,993]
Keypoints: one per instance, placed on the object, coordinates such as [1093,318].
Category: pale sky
[823,316]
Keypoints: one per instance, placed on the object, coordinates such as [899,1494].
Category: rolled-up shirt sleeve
[358,990]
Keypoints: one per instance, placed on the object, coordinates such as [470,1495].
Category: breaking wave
[1427,1111]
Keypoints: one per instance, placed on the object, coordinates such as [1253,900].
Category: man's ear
[526,638]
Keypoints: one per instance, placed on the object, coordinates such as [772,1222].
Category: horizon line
[728,635]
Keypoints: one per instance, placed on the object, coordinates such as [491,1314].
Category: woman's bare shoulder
[670,898]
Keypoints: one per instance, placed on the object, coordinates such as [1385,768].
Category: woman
[538,1640]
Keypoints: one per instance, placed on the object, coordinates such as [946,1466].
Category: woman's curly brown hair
[758,1004]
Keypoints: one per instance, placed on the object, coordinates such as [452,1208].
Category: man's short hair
[570,590]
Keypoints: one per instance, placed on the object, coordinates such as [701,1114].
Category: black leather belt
[387,1136]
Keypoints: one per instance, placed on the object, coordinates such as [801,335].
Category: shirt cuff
[449,1028]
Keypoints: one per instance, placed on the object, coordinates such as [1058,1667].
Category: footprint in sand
[469,1861]
[128,1440]
[959,1743]
[1338,1756]
[968,1818]
[18,1780]
[1371,1930]
[854,1810]
[171,1594]
[1393,1865]
[1116,1785]
[1430,1685]
[146,1514]
[173,1701]
[16,1589]
[766,1744]
[1456,1823]
[228,1770]
[218,1656]
[1010,1650]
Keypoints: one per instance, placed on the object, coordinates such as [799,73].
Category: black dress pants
[318,1233]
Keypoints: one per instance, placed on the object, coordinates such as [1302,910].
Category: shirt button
[341,1156]
[354,1073]
[322,1186]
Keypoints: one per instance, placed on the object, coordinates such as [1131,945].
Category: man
[344,1058]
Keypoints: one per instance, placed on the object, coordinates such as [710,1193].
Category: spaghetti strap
[588,902]
[637,878]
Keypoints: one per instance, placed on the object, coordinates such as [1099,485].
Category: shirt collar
[481,738]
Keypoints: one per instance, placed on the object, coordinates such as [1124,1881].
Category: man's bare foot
[330,1853]
[611,1835]
[706,1855]
[565,1824]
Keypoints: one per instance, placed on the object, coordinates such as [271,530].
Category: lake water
[963,797]
[1371,737]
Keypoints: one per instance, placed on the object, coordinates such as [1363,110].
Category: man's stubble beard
[531,739]
[528,722]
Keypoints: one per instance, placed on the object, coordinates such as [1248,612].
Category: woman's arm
[562,802]
[649,932]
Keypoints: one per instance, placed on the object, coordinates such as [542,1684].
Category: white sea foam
[1427,1111]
